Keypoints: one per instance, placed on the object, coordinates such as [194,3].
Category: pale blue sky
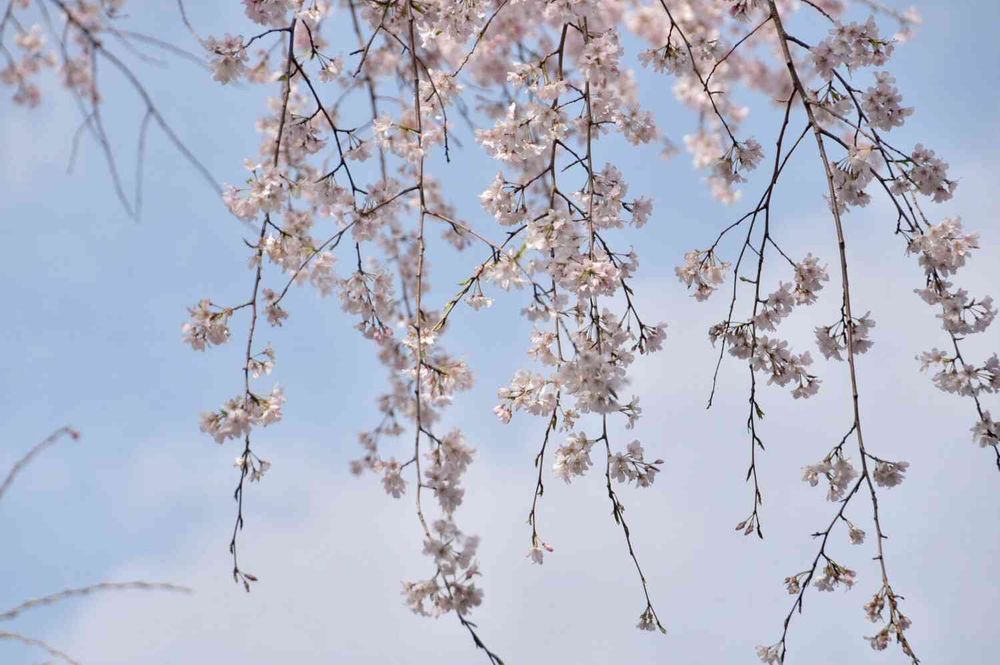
[92,338]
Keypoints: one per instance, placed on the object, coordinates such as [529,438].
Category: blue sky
[94,306]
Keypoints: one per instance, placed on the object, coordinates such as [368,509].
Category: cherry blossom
[344,192]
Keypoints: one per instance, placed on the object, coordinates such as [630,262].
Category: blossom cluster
[851,45]
[240,414]
[769,355]
[453,587]
[942,250]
